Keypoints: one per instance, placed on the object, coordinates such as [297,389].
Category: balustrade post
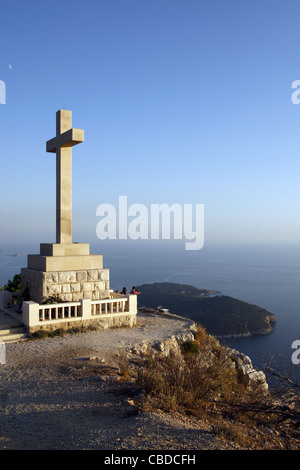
[132,303]
[30,313]
[86,308]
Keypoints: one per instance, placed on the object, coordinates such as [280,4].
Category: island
[221,315]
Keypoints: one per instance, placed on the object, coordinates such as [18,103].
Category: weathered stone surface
[54,289]
[66,276]
[62,145]
[65,289]
[251,376]
[75,287]
[50,277]
[76,296]
[95,295]
[81,276]
[68,285]
[87,294]
[87,286]
[68,298]
[104,275]
[64,263]
[173,343]
[100,285]
[92,275]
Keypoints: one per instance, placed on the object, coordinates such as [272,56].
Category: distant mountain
[221,315]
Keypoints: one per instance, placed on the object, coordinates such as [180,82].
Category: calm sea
[268,276]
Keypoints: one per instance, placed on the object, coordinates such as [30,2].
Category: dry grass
[189,379]
[124,366]
[231,432]
[201,380]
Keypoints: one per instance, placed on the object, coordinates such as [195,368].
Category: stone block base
[64,257]
[122,320]
[69,286]
[64,263]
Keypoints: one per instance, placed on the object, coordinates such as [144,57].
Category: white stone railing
[59,311]
[37,316]
[73,309]
[115,304]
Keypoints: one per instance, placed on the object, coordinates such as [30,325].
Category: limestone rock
[251,376]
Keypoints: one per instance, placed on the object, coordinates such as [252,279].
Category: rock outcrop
[247,373]
[251,376]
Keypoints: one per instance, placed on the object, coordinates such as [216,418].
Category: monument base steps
[11,331]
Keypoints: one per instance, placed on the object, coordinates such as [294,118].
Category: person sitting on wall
[134,291]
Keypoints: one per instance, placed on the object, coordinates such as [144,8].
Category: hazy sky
[185,102]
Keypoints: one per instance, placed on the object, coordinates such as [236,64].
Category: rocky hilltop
[221,315]
[86,388]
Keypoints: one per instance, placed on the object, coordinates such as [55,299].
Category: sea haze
[268,276]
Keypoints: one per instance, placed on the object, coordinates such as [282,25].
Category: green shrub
[53,299]
[190,347]
[14,285]
[57,332]
[40,334]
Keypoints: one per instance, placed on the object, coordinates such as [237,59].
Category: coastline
[245,335]
[266,331]
[221,315]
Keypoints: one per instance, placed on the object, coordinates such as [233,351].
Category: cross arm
[67,139]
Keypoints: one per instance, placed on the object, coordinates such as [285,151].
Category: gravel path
[64,393]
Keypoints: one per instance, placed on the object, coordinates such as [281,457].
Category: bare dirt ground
[65,393]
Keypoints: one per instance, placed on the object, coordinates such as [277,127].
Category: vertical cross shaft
[62,145]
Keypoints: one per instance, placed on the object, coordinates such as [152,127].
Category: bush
[230,432]
[190,347]
[123,364]
[53,299]
[192,379]
[40,334]
[14,285]
[57,332]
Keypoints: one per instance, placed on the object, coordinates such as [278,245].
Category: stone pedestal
[67,271]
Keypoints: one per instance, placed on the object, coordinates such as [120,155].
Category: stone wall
[83,316]
[70,286]
[121,320]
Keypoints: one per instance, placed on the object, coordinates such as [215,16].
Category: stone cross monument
[65,269]
[62,145]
